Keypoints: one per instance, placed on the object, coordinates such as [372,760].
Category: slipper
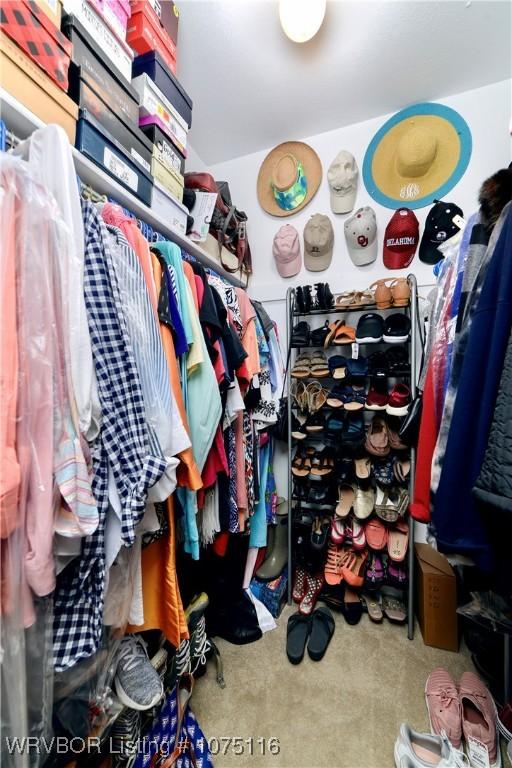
[374,606]
[319,366]
[346,496]
[393,604]
[352,607]
[362,467]
[302,367]
[353,571]
[319,532]
[322,630]
[301,465]
[345,299]
[337,531]
[338,366]
[297,632]
[358,536]
[345,334]
[377,437]
[357,367]
[333,327]
[401,469]
[335,396]
[364,503]
[318,335]
[376,534]
[354,398]
[398,540]
[375,573]
[300,335]
[384,506]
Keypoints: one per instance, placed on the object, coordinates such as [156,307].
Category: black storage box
[131,138]
[164,149]
[98,74]
[155,67]
[97,144]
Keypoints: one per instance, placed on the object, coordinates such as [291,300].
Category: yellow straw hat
[288,178]
[417,155]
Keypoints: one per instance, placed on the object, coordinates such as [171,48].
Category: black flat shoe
[322,630]
[300,335]
[318,335]
[297,633]
[352,606]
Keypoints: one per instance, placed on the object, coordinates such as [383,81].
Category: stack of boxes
[35,59]
[109,78]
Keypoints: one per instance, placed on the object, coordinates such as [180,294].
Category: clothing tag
[355,350]
[459,221]
[120,169]
[478,753]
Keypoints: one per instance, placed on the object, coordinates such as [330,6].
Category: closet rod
[22,122]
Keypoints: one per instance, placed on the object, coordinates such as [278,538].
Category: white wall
[487,111]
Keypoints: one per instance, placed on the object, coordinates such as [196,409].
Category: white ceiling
[253,88]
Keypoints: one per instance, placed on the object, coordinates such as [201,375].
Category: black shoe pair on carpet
[315,630]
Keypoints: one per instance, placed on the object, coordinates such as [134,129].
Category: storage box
[53,9]
[172,181]
[154,66]
[88,63]
[29,84]
[131,139]
[167,208]
[155,109]
[115,14]
[116,51]
[145,34]
[436,599]
[38,37]
[164,149]
[101,147]
[169,17]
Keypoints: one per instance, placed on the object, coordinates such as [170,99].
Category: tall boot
[277,556]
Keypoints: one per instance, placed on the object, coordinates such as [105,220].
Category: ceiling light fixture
[301,19]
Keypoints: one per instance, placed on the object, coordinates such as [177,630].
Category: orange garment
[163,608]
[249,337]
[189,274]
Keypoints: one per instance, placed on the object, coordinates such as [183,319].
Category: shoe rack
[293,316]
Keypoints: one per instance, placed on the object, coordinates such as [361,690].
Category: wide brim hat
[311,171]
[418,155]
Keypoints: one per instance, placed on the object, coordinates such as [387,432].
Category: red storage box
[145,33]
[36,34]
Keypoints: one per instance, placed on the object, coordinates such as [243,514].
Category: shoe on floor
[479,717]
[399,400]
[137,683]
[443,705]
[423,750]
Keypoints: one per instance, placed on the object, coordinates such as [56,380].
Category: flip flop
[346,496]
[352,607]
[322,630]
[297,633]
[393,604]
[398,540]
[374,607]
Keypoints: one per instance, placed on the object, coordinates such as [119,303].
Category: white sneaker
[421,750]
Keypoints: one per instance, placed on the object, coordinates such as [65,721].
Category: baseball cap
[361,236]
[342,177]
[439,227]
[318,243]
[401,239]
[286,251]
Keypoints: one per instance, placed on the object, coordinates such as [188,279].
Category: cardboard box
[52,8]
[39,38]
[172,181]
[168,208]
[145,33]
[29,84]
[436,599]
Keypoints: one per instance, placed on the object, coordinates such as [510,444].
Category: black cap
[439,227]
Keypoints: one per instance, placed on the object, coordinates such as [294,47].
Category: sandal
[302,367]
[393,604]
[401,469]
[299,584]
[377,438]
[301,464]
[322,463]
[297,633]
[322,630]
[400,292]
[397,574]
[353,571]
[336,558]
[300,395]
[346,496]
[352,607]
[398,540]
[333,327]
[374,607]
[355,299]
[362,468]
[344,300]
[300,335]
[345,334]
[319,532]
[358,536]
[317,396]
[318,335]
[354,398]
[384,506]
[319,366]
[374,576]
[383,295]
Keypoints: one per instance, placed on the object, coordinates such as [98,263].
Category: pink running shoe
[444,709]
[479,716]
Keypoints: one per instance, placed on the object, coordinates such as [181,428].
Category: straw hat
[288,179]
[419,154]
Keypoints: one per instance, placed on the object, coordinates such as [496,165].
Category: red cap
[401,239]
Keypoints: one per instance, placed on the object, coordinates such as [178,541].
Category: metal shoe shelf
[292,317]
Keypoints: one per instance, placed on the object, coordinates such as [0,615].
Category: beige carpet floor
[341,712]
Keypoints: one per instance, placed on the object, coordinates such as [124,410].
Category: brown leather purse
[228,224]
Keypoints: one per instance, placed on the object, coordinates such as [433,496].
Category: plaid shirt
[122,447]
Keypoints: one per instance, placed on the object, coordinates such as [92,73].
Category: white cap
[361,236]
[342,176]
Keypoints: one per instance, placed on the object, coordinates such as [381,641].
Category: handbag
[228,224]
[409,428]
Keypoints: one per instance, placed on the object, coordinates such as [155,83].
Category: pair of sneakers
[466,710]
